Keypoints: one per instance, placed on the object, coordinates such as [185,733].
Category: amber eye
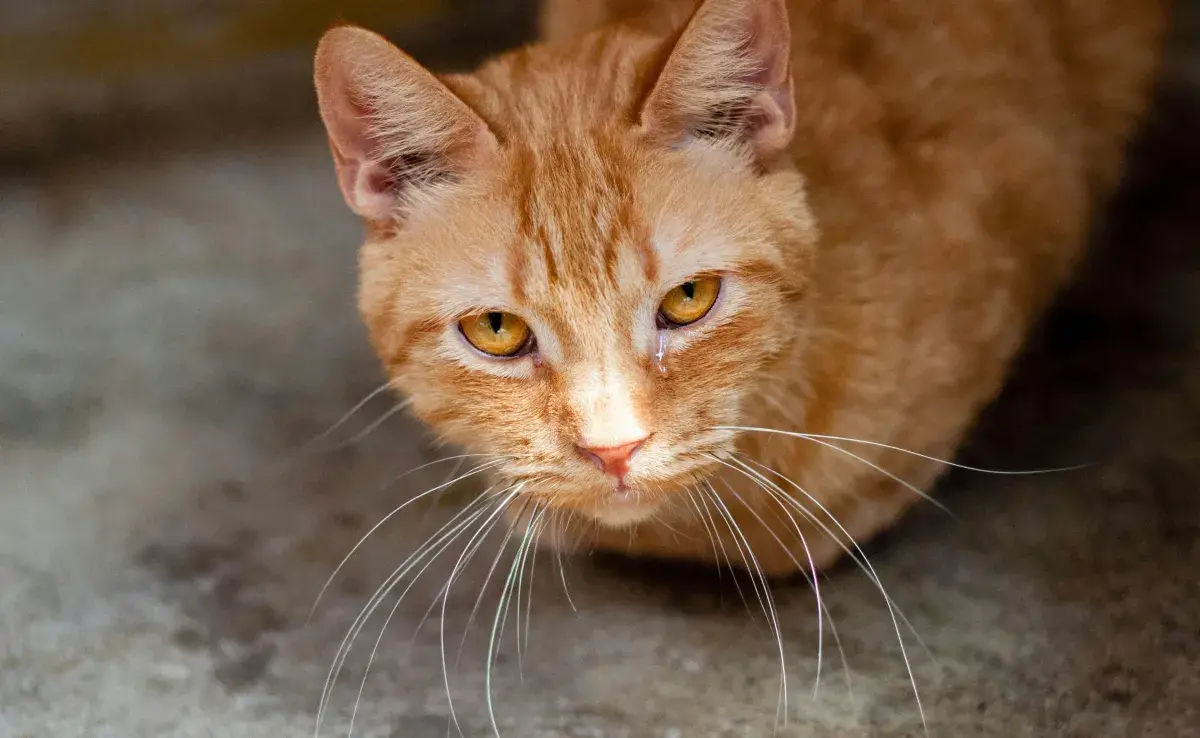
[496,333]
[690,301]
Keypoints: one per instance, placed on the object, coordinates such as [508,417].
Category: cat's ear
[393,127]
[729,75]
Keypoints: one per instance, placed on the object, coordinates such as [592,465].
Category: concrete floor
[174,325]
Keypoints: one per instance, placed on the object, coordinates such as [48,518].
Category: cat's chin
[624,510]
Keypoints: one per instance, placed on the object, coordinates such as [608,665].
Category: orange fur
[892,192]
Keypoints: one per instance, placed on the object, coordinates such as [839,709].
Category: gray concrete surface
[173,326]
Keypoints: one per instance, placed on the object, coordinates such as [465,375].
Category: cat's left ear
[395,129]
[729,75]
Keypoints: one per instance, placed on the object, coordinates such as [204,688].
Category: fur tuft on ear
[728,76]
[394,129]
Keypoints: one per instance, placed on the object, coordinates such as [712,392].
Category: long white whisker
[877,444]
[810,575]
[537,534]
[854,556]
[497,623]
[346,417]
[396,511]
[813,581]
[515,587]
[863,562]
[562,567]
[356,627]
[374,425]
[431,546]
[517,600]
[703,498]
[562,571]
[429,510]
[690,496]
[903,482]
[487,581]
[396,606]
[469,551]
[765,598]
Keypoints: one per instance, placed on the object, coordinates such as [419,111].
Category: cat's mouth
[610,502]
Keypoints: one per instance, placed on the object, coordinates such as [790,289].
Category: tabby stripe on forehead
[529,231]
[610,252]
[641,241]
[548,255]
[627,224]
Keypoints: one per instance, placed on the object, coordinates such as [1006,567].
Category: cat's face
[634,306]
[583,300]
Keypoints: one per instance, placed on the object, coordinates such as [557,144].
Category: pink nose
[613,460]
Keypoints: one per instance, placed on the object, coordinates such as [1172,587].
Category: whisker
[360,621]
[517,600]
[690,496]
[537,534]
[396,511]
[811,579]
[562,571]
[460,460]
[703,498]
[863,562]
[472,546]
[788,499]
[291,459]
[765,599]
[512,528]
[469,552]
[903,482]
[396,606]
[345,417]
[877,444]
[372,427]
[497,623]
[515,590]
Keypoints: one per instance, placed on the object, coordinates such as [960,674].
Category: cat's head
[582,259]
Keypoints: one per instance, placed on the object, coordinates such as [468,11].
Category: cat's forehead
[581,228]
[543,91]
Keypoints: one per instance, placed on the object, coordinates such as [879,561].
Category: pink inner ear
[375,193]
[393,126]
[366,183]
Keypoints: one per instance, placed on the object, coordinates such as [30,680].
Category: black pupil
[496,320]
[689,290]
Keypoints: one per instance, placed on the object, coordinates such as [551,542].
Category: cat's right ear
[393,127]
[728,77]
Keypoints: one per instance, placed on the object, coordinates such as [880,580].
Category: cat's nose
[613,460]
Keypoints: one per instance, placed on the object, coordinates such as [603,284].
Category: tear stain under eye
[661,352]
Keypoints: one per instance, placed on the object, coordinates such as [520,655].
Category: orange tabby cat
[620,261]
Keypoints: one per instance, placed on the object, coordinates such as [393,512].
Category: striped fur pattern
[891,193]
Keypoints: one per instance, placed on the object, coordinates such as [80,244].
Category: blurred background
[177,319]
[100,73]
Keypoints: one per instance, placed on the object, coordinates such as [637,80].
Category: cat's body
[888,214]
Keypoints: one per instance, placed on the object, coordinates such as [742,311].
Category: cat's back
[906,72]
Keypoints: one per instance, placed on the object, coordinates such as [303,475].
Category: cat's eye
[689,302]
[497,334]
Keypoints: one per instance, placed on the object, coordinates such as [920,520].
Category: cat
[719,281]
